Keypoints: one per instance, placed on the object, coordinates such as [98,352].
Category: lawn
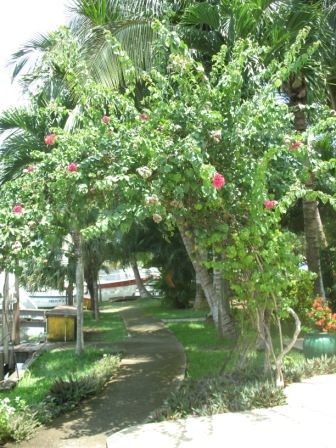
[206,352]
[207,387]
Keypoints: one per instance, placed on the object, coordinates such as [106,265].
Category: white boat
[48,298]
[25,302]
[117,283]
[120,283]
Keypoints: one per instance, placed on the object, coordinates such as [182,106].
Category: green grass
[156,307]
[205,352]
[57,363]
[109,328]
[51,365]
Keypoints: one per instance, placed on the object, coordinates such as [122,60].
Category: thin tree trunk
[224,322]
[70,294]
[312,233]
[139,282]
[5,326]
[200,299]
[78,244]
[263,327]
[96,311]
[296,89]
[16,314]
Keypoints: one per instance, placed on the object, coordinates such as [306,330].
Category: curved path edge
[152,367]
[307,420]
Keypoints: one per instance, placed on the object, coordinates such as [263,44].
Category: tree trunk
[96,311]
[5,326]
[200,299]
[223,302]
[78,244]
[223,320]
[91,272]
[312,234]
[221,285]
[70,294]
[139,282]
[296,89]
[16,314]
[263,328]
[92,286]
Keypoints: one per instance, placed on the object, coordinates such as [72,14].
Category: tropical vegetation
[210,121]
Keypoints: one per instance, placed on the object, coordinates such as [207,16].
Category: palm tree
[204,25]
[277,25]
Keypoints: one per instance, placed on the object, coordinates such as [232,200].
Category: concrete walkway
[306,421]
[152,367]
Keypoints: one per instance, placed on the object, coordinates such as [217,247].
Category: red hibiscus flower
[218,180]
[72,167]
[269,204]
[49,139]
[17,209]
[296,144]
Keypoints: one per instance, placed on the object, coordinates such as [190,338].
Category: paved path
[152,367]
[308,421]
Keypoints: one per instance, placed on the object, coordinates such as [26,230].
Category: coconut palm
[277,24]
[205,26]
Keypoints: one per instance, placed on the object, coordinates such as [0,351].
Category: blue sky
[20,21]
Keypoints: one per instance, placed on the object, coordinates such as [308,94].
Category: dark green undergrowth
[56,382]
[59,380]
[206,390]
[238,391]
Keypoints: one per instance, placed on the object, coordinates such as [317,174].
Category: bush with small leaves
[236,392]
[17,421]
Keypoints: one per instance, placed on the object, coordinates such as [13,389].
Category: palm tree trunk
[312,233]
[16,314]
[70,294]
[78,244]
[223,320]
[200,299]
[5,326]
[140,284]
[96,311]
[296,89]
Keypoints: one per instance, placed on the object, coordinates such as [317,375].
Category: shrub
[238,391]
[233,392]
[17,421]
[70,391]
[66,393]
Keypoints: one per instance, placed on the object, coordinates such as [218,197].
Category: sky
[19,22]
